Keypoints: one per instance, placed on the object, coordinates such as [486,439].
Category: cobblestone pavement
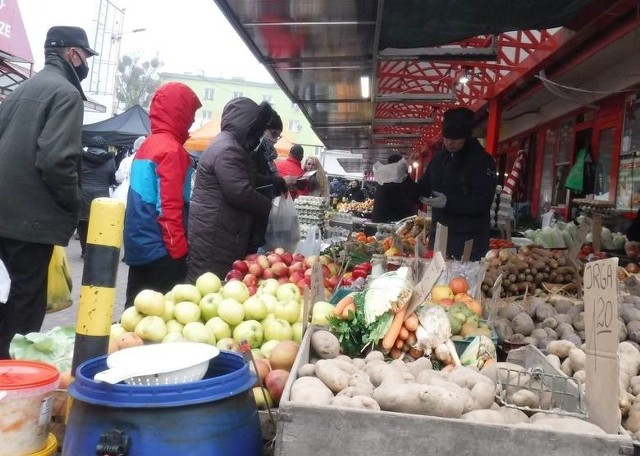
[68,316]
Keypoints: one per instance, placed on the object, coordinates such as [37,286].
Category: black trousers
[161,275]
[83,229]
[28,266]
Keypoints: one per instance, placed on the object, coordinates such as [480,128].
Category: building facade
[214,93]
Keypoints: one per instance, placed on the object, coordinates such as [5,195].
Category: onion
[504,255]
[491,254]
[525,250]
[632,268]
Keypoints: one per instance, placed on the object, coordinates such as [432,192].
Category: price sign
[601,329]
[424,284]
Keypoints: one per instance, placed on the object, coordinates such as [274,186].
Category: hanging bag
[312,244]
[282,229]
[575,178]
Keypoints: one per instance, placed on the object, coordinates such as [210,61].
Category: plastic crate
[339,294]
[461,345]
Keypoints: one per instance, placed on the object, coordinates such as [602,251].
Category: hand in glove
[437,201]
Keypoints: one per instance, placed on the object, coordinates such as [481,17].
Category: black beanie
[275,123]
[457,123]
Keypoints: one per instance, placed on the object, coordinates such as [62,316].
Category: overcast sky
[188,35]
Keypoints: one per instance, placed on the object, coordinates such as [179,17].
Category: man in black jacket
[459,184]
[40,146]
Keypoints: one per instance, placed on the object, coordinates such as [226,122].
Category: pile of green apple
[221,314]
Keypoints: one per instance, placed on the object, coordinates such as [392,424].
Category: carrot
[351,307]
[399,343]
[412,322]
[404,333]
[391,336]
[342,304]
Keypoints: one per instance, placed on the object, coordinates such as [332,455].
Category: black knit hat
[457,123]
[66,36]
[96,141]
[275,123]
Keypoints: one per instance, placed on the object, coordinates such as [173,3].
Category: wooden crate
[311,430]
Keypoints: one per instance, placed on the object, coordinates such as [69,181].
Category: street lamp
[117,38]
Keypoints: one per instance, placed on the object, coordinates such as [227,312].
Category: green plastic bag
[575,178]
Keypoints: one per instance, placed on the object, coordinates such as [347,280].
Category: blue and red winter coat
[160,180]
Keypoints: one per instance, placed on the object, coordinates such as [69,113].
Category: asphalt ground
[68,316]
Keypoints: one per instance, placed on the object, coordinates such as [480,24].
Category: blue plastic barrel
[215,416]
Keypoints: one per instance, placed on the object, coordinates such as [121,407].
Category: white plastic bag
[5,283]
[121,191]
[312,244]
[282,229]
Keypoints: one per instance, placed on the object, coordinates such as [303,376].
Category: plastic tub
[26,389]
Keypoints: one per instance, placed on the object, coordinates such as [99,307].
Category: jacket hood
[96,155]
[173,109]
[69,73]
[246,121]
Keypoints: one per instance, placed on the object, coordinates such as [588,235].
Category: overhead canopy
[412,55]
[120,130]
[199,139]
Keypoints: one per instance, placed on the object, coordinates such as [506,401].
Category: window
[562,164]
[294,126]
[295,107]
[237,94]
[208,93]
[546,182]
[267,98]
[206,115]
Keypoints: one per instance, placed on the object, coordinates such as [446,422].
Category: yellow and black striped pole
[98,294]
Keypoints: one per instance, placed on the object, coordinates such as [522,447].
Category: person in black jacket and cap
[98,174]
[396,197]
[40,144]
[459,184]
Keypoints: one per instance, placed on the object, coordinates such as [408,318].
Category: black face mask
[82,70]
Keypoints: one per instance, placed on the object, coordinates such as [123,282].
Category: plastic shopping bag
[59,282]
[312,244]
[5,283]
[282,229]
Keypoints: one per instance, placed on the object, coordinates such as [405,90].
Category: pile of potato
[540,320]
[569,359]
[371,383]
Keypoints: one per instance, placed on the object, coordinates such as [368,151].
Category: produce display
[563,235]
[357,207]
[529,270]
[311,211]
[413,386]
[216,313]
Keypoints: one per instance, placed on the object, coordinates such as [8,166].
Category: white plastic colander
[158,364]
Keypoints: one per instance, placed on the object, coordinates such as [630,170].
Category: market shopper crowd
[176,227]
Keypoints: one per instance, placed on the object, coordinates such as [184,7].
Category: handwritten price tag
[601,330]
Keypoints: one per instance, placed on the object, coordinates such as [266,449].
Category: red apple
[287,258]
[334,268]
[302,284]
[241,266]
[280,269]
[274,258]
[311,260]
[445,302]
[296,277]
[298,257]
[268,274]
[255,269]
[234,274]
[263,261]
[252,289]
[275,381]
[297,266]
[278,250]
[307,272]
[326,282]
[263,369]
[333,280]
[251,257]
[250,280]
[284,279]
[326,272]
[307,280]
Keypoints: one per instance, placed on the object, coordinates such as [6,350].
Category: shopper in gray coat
[40,146]
[225,202]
